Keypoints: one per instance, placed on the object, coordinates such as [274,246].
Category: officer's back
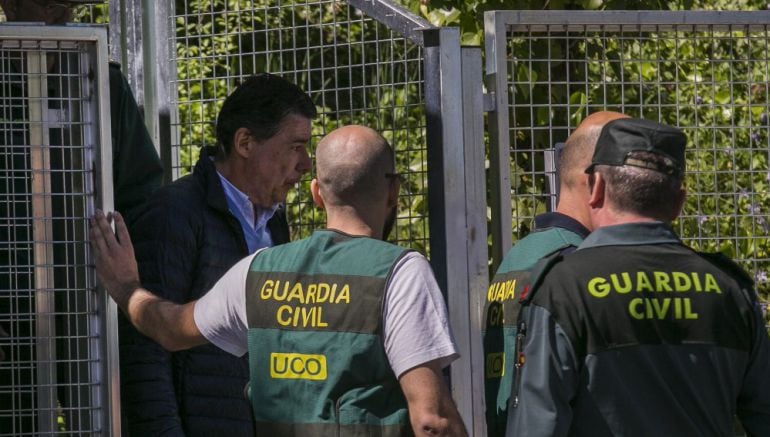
[634,333]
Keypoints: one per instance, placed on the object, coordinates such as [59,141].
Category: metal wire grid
[710,81]
[50,374]
[355,69]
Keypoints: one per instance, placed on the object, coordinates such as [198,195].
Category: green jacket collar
[631,234]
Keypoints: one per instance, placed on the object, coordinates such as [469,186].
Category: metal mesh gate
[53,89]
[354,68]
[706,72]
[365,62]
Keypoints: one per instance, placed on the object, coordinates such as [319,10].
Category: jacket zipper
[520,360]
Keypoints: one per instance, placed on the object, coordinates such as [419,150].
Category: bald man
[559,231]
[345,333]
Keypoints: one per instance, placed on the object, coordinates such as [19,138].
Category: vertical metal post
[150,54]
[447,201]
[109,366]
[165,69]
[499,138]
[42,234]
[549,164]
[126,43]
[476,225]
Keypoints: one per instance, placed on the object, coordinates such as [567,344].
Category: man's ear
[596,199]
[393,190]
[243,142]
[315,192]
[9,9]
[681,197]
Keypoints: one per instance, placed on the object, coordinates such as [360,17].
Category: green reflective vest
[501,310]
[318,365]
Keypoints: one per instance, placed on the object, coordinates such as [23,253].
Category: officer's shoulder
[727,265]
[538,273]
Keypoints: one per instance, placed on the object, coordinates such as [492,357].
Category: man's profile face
[279,162]
[45,11]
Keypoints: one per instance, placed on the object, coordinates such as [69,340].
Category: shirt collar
[559,220]
[241,202]
[631,234]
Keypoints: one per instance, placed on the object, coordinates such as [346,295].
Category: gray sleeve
[220,314]
[753,407]
[415,323]
[548,380]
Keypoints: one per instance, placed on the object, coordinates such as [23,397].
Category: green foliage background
[711,84]
[358,72]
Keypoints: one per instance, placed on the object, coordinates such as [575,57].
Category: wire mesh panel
[355,69]
[53,372]
[709,77]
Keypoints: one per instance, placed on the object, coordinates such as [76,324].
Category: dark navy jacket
[186,239]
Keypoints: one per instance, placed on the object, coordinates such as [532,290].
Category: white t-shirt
[415,325]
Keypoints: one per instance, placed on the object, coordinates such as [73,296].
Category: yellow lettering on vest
[676,308]
[643,282]
[267,289]
[633,308]
[696,282]
[622,289]
[662,281]
[688,313]
[682,282]
[295,318]
[501,291]
[281,296]
[278,315]
[296,293]
[311,290]
[510,291]
[344,294]
[319,321]
[598,287]
[661,308]
[333,293]
[308,316]
[711,284]
[491,291]
[323,292]
[297,366]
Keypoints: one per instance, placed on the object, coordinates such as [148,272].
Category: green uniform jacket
[318,365]
[555,233]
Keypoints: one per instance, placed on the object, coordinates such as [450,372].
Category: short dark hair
[643,191]
[259,104]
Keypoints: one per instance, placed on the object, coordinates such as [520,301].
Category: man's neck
[352,223]
[569,207]
[607,217]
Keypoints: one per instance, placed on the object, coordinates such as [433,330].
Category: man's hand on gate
[114,257]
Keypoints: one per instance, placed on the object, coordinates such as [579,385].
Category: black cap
[622,136]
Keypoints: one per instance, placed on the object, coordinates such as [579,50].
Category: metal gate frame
[497,25]
[104,330]
[455,147]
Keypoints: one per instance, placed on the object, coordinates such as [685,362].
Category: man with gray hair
[346,334]
[634,333]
